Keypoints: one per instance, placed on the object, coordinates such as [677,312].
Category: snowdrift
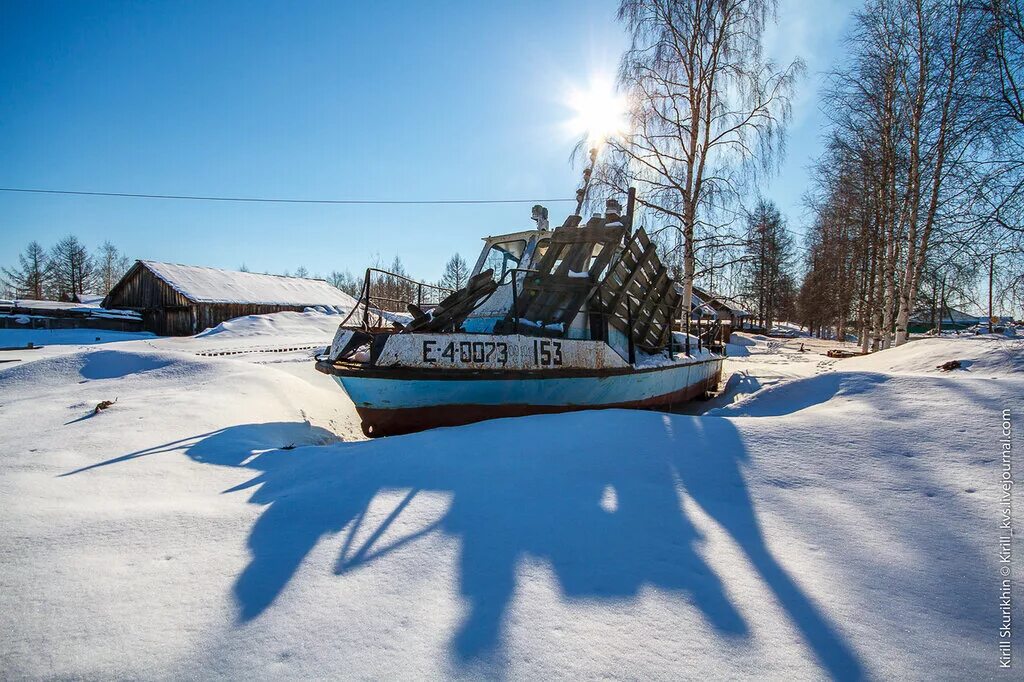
[219,521]
[285,326]
[988,355]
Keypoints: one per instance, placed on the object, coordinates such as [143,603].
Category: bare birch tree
[919,158]
[708,111]
[111,265]
[941,125]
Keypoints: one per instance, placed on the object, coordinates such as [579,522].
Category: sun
[600,112]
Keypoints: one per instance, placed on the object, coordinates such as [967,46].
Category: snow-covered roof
[734,307]
[89,299]
[33,304]
[710,304]
[924,316]
[50,308]
[212,285]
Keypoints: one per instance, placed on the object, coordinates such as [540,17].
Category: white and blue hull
[419,389]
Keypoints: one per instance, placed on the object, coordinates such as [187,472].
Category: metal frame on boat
[579,317]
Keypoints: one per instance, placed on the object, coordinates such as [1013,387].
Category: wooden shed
[181,300]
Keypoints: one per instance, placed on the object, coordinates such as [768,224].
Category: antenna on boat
[581,193]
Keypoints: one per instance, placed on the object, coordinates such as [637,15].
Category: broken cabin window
[542,248]
[504,256]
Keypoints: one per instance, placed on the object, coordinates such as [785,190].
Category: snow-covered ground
[224,518]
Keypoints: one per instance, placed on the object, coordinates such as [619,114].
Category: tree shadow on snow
[601,505]
[789,397]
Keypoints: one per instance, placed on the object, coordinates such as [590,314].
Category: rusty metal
[393,422]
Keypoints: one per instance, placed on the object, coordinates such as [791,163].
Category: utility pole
[942,304]
[991,269]
[581,193]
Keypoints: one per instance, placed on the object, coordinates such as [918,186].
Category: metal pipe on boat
[515,304]
[581,193]
[629,326]
[630,206]
[366,304]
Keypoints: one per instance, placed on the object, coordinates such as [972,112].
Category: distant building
[950,319]
[180,300]
[32,314]
[727,311]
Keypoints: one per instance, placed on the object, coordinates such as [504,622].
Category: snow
[983,355]
[225,519]
[61,306]
[679,356]
[91,300]
[211,285]
[283,326]
[45,305]
[553,326]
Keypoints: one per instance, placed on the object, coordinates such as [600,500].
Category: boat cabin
[595,280]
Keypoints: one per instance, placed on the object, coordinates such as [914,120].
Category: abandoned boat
[579,317]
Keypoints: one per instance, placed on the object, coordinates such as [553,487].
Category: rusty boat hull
[398,400]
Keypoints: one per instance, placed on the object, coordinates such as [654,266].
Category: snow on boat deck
[222,519]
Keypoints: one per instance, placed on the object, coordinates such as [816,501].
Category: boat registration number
[546,352]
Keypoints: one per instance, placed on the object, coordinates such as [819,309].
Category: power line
[276,200]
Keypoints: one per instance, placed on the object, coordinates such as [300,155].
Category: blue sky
[388,100]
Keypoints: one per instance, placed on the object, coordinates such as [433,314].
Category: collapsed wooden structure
[567,274]
[452,310]
[616,274]
[639,276]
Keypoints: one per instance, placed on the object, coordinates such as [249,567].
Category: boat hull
[402,401]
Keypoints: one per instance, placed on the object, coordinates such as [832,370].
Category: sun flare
[600,112]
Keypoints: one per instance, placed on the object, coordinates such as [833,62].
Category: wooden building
[181,300]
[731,315]
[31,314]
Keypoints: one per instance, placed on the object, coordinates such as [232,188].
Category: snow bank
[210,524]
[980,355]
[311,325]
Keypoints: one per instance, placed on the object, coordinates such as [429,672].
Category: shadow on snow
[519,487]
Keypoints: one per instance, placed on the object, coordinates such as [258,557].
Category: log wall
[168,313]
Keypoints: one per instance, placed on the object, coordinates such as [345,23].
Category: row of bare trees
[921,181]
[63,271]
